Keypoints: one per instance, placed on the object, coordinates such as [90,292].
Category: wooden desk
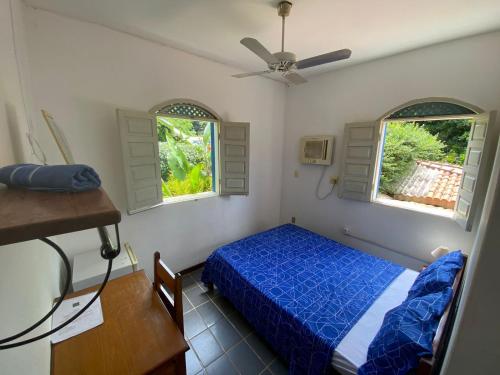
[138,335]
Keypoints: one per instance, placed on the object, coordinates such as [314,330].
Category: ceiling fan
[286,62]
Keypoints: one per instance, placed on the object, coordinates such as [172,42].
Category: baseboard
[191,269]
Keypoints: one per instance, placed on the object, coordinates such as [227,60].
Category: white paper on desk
[92,317]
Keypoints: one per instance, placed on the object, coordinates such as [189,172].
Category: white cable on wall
[319,183]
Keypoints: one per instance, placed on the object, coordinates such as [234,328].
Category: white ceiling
[213,28]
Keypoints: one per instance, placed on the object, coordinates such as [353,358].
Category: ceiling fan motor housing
[286,60]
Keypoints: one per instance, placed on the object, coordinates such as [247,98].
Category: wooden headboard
[432,365]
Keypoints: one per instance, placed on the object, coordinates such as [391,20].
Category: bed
[350,354]
[317,302]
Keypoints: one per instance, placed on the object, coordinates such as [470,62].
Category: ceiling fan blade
[243,75]
[294,78]
[256,47]
[326,58]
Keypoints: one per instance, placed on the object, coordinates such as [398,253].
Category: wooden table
[138,335]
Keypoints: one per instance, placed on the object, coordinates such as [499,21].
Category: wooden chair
[164,281]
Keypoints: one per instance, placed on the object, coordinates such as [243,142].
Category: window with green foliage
[415,153]
[187,155]
[430,156]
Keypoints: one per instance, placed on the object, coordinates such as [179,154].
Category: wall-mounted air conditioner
[317,149]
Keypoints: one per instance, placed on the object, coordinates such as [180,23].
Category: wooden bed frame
[431,365]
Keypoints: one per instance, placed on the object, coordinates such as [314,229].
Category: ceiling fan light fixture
[286,62]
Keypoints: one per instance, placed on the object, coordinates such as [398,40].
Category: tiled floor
[221,341]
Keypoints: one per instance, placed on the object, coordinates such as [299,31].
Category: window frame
[380,159]
[216,120]
[380,151]
[360,169]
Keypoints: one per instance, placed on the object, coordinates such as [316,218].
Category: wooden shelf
[28,215]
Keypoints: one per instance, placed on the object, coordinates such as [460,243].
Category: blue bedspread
[301,291]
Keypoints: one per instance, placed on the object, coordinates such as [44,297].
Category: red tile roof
[431,183]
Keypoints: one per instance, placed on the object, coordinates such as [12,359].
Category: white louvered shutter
[141,160]
[361,142]
[234,154]
[476,170]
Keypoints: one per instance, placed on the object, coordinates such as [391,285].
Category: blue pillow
[438,276]
[406,335]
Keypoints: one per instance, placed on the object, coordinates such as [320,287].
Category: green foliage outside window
[185,156]
[405,142]
[195,154]
[454,134]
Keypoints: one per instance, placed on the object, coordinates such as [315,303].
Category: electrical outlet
[334,180]
[293,219]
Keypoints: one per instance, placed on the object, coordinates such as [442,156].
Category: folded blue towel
[74,177]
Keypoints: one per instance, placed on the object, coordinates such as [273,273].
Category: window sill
[189,197]
[179,199]
[418,207]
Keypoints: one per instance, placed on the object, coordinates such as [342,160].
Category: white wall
[464,69]
[14,119]
[475,343]
[29,282]
[29,271]
[81,73]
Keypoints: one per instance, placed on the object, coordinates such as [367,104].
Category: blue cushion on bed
[406,335]
[438,276]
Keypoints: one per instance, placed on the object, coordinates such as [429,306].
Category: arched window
[425,155]
[186,110]
[171,154]
[431,109]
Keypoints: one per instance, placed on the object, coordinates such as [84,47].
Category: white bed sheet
[350,354]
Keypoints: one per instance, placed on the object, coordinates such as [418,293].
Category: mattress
[350,354]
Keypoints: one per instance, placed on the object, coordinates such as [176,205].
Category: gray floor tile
[221,366]
[188,282]
[245,359]
[206,347]
[193,365]
[260,347]
[214,293]
[224,305]
[241,324]
[209,313]
[226,329]
[186,305]
[225,333]
[193,324]
[196,295]
[279,368]
[209,293]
